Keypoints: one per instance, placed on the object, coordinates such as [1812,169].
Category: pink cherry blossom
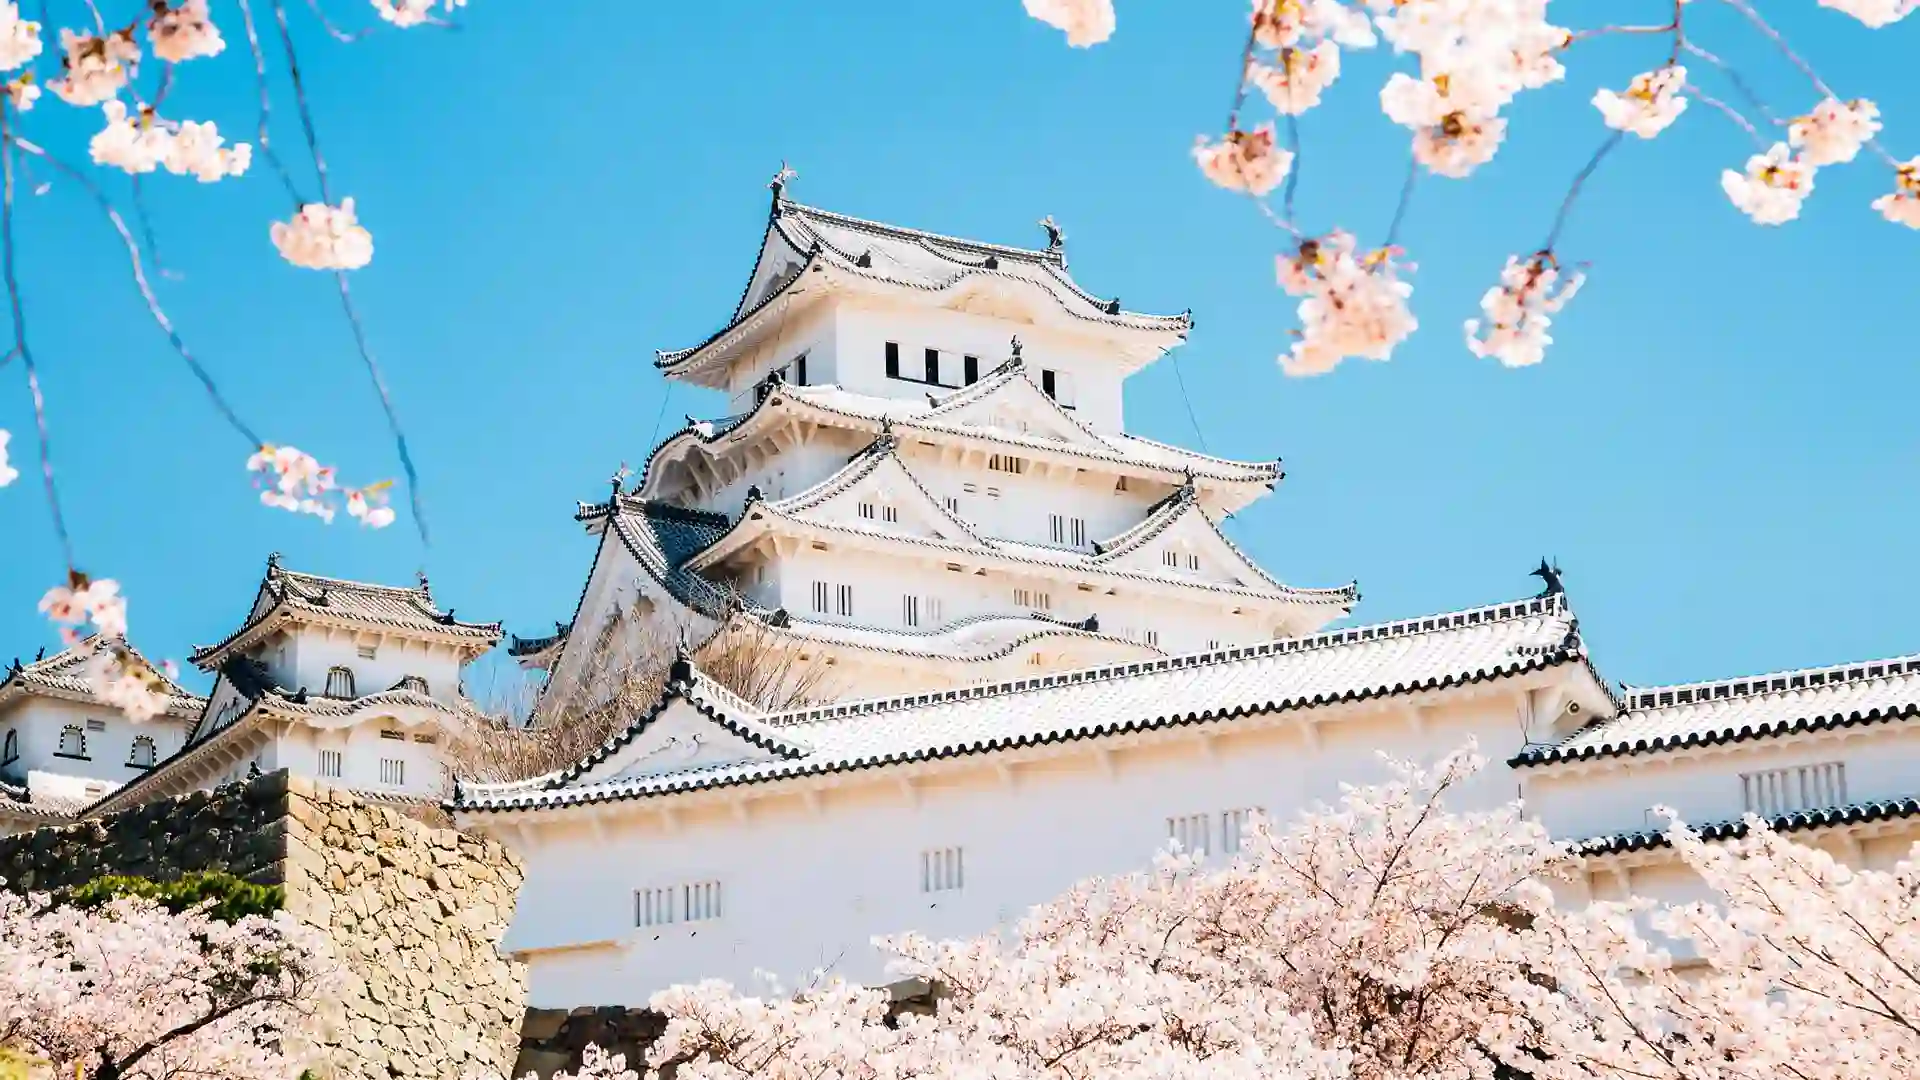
[8,474]
[1519,310]
[1295,83]
[1875,13]
[96,68]
[322,237]
[1086,22]
[19,38]
[184,32]
[1834,132]
[135,144]
[197,150]
[1902,207]
[1285,24]
[369,506]
[1773,187]
[405,13]
[1246,161]
[1650,104]
[1351,305]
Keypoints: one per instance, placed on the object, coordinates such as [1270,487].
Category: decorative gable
[879,494]
[694,726]
[1016,406]
[1185,544]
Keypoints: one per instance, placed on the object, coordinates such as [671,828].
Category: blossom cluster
[19,38]
[1875,13]
[1650,104]
[1246,161]
[143,142]
[1353,304]
[1086,22]
[322,237]
[183,33]
[304,486]
[96,67]
[129,989]
[81,601]
[1518,311]
[122,679]
[1903,206]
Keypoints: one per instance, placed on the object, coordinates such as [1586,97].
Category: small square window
[368,652]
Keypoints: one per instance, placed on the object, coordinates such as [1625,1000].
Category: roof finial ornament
[778,185]
[886,442]
[1549,573]
[420,575]
[40,654]
[1015,361]
[273,561]
[1056,236]
[619,477]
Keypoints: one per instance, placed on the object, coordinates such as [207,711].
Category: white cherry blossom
[1650,104]
[368,505]
[1351,305]
[1246,161]
[82,600]
[95,68]
[184,32]
[1086,22]
[405,13]
[197,150]
[1875,13]
[322,237]
[8,474]
[1284,24]
[19,38]
[1902,207]
[1772,188]
[133,143]
[1834,132]
[1518,311]
[1295,83]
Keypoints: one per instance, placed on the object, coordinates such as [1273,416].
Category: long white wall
[38,724]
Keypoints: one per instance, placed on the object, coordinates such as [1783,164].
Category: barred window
[332,764]
[1191,832]
[666,905]
[393,771]
[943,870]
[339,682]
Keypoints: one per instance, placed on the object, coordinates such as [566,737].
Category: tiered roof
[1665,718]
[1294,675]
[1832,817]
[63,675]
[946,418]
[804,244]
[287,597]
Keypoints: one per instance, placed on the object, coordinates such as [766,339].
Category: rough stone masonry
[415,914]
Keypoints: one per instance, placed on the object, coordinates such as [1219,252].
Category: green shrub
[233,899]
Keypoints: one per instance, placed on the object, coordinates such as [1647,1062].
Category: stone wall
[415,914]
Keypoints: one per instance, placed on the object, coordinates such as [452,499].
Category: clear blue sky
[1719,449]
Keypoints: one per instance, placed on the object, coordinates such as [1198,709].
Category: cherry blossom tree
[127,71]
[128,989]
[1469,60]
[1385,938]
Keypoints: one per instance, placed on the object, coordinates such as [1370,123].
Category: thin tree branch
[1732,114]
[1579,182]
[1406,200]
[263,137]
[7,261]
[386,405]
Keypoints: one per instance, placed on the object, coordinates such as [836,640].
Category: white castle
[1048,661]
[1041,660]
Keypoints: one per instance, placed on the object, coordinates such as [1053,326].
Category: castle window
[1006,463]
[1800,787]
[1171,558]
[910,610]
[933,366]
[393,771]
[332,764]
[12,752]
[866,510]
[844,600]
[143,753]
[73,743]
[953,505]
[1235,827]
[1193,561]
[890,513]
[368,652]
[1067,530]
[972,366]
[893,359]
[943,870]
[1033,598]
[396,736]
[820,597]
[1120,484]
[667,905]
[96,725]
[1213,644]
[414,683]
[1153,638]
[800,370]
[339,682]
[1191,832]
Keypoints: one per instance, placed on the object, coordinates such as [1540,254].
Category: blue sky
[1718,449]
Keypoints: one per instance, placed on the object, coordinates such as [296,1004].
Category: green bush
[233,899]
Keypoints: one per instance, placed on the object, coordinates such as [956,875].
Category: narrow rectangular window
[933,610]
[890,513]
[820,597]
[1801,787]
[866,510]
[1193,561]
[953,505]
[1046,381]
[1171,558]
[390,733]
[971,489]
[893,359]
[96,725]
[800,370]
[1213,644]
[696,901]
[1191,832]
[1236,826]
[1057,528]
[1062,391]
[1120,484]
[368,652]
[972,365]
[943,870]
[1077,532]
[393,771]
[700,901]
[331,763]
[1153,638]
[910,610]
[933,366]
[845,599]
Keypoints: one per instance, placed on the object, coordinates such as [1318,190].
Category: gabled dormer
[1178,539]
[1010,401]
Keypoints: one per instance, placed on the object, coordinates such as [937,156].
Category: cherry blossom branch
[1573,191]
[147,294]
[333,31]
[1400,208]
[1240,90]
[1738,82]
[301,106]
[7,268]
[1730,113]
[1794,58]
[262,136]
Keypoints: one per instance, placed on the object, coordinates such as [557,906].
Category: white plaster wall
[805,889]
[315,650]
[1025,501]
[1613,796]
[809,332]
[38,723]
[361,748]
[790,473]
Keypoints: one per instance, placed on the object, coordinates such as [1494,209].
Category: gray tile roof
[911,258]
[1800,820]
[288,594]
[1414,655]
[64,675]
[1665,718]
